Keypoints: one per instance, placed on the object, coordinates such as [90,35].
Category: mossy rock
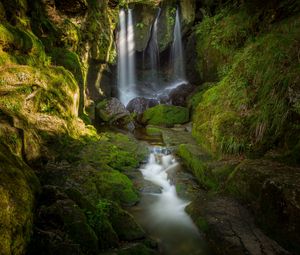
[153,131]
[104,184]
[211,173]
[18,188]
[165,115]
[125,225]
[119,152]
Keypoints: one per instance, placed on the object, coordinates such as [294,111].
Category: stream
[161,212]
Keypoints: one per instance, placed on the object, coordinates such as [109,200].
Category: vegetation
[167,115]
[251,108]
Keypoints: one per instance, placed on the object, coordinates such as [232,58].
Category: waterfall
[177,53]
[126,58]
[153,50]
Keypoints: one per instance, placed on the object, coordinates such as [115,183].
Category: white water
[126,58]
[177,58]
[163,213]
[153,50]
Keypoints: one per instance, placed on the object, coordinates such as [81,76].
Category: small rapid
[161,211]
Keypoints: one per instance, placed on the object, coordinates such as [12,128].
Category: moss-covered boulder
[210,173]
[18,191]
[165,115]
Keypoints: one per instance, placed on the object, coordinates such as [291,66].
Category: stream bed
[161,211]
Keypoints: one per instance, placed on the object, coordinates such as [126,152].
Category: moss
[23,46]
[202,224]
[99,221]
[119,152]
[18,188]
[165,115]
[248,109]
[73,222]
[211,173]
[125,225]
[116,186]
[69,60]
[197,163]
[153,131]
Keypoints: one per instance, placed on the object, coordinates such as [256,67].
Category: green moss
[153,131]
[212,174]
[23,46]
[197,164]
[248,109]
[119,152]
[165,115]
[69,60]
[19,186]
[116,186]
[202,224]
[99,221]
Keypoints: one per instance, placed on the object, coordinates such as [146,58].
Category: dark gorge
[149,127]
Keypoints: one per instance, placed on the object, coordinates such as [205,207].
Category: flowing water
[126,57]
[153,50]
[161,212]
[177,57]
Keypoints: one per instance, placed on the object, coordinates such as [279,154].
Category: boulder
[165,115]
[177,96]
[111,111]
[140,104]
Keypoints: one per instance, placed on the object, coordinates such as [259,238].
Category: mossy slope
[252,106]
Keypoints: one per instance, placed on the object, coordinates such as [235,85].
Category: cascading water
[153,50]
[126,58]
[162,213]
[177,58]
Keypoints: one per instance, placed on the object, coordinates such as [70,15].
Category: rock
[124,224]
[231,229]
[137,249]
[140,104]
[18,188]
[113,112]
[144,17]
[63,224]
[177,96]
[72,7]
[165,115]
[273,192]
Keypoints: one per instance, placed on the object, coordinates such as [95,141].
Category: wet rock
[140,104]
[177,96]
[113,112]
[231,229]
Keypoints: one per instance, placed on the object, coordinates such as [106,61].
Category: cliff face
[52,57]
